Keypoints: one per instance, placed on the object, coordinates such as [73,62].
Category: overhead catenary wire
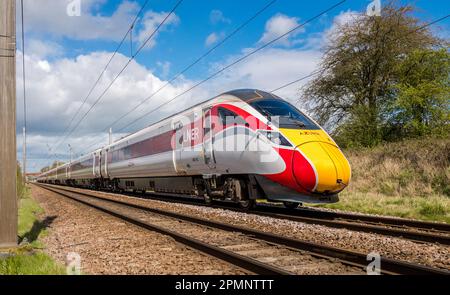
[130,28]
[252,52]
[313,73]
[196,61]
[318,71]
[179,74]
[124,67]
[233,63]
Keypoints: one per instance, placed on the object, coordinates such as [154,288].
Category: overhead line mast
[24,144]
[8,160]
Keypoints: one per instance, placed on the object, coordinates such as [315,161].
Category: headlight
[275,137]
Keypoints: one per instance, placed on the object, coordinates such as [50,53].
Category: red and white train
[242,145]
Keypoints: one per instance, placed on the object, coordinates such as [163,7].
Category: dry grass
[408,179]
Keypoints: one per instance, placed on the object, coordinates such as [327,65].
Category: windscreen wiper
[297,122]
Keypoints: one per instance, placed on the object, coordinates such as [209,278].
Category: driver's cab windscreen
[286,114]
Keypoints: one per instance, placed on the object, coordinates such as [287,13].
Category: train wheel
[246,204]
[291,205]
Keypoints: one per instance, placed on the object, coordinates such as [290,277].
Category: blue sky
[65,54]
[179,44]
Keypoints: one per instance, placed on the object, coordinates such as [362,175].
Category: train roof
[246,95]
[249,95]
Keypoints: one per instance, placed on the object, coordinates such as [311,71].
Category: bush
[409,178]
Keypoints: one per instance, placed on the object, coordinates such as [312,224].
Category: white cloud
[56,89]
[211,39]
[165,68]
[43,49]
[44,66]
[268,70]
[279,25]
[50,17]
[151,21]
[343,19]
[216,16]
[321,39]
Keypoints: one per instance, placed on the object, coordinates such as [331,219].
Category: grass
[406,179]
[29,258]
[29,264]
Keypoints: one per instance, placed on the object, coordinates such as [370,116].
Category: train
[242,146]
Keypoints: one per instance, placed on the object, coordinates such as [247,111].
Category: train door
[97,160]
[94,162]
[178,147]
[208,139]
[105,166]
[100,153]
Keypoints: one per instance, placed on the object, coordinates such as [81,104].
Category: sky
[68,43]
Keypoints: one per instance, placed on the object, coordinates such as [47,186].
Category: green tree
[353,95]
[422,106]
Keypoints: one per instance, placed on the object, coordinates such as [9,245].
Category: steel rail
[383,225]
[311,213]
[350,224]
[241,261]
[388,265]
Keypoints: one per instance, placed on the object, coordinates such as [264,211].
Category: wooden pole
[8,162]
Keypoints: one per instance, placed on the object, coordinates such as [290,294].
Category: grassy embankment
[407,179]
[29,257]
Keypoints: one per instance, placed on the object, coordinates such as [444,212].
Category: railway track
[419,231]
[256,251]
[415,230]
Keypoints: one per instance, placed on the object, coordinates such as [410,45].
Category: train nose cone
[330,167]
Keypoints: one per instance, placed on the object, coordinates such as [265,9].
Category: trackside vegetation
[382,79]
[383,91]
[29,257]
[409,178]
